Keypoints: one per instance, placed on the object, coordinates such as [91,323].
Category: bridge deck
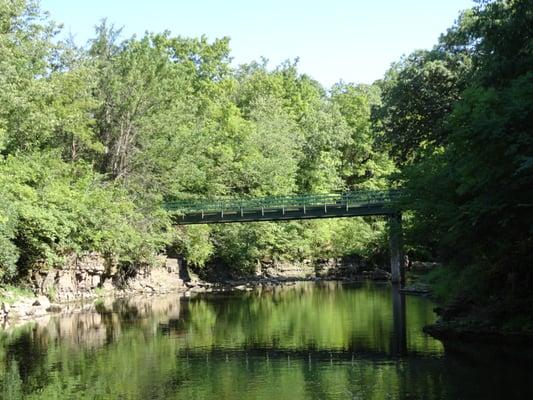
[348,204]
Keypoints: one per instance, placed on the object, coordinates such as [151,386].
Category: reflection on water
[399,321]
[306,341]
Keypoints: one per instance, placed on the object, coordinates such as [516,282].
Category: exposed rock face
[91,275]
[333,268]
[328,268]
[287,270]
[88,277]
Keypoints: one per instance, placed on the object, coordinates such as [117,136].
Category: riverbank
[473,316]
[458,321]
[500,320]
[18,309]
[91,278]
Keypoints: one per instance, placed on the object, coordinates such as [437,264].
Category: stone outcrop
[333,268]
[85,278]
[91,275]
[286,270]
[325,269]
[25,308]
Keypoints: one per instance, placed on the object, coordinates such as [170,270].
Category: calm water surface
[308,341]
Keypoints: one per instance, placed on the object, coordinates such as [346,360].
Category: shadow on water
[307,341]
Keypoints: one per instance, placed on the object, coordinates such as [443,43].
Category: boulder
[380,275]
[41,301]
[172,265]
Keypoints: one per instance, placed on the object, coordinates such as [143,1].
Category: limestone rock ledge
[91,275]
[326,269]
[88,277]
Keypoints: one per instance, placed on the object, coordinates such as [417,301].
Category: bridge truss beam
[279,214]
[351,204]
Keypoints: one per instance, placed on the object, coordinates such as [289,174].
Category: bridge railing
[353,198]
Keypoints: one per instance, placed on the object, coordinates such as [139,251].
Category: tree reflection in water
[307,341]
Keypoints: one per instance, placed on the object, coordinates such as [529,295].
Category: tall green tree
[472,195]
[418,93]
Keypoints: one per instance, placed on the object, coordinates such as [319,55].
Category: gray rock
[49,282]
[66,282]
[42,301]
[108,285]
[380,275]
[172,265]
[95,280]
[150,287]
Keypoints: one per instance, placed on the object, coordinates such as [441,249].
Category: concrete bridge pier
[395,244]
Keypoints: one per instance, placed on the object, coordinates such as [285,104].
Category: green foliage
[11,384]
[10,294]
[9,252]
[57,208]
[196,244]
[450,282]
[363,163]
[464,144]
[418,93]
[92,140]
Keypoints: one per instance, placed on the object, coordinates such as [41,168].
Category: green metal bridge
[349,204]
[311,206]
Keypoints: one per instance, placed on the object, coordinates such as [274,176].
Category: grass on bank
[448,282]
[10,294]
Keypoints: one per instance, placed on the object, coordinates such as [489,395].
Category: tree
[473,195]
[418,93]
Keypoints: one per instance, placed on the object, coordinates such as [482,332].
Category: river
[324,340]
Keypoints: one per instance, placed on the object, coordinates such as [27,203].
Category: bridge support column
[395,243]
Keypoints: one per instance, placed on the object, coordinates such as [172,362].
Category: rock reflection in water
[327,316]
[94,326]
